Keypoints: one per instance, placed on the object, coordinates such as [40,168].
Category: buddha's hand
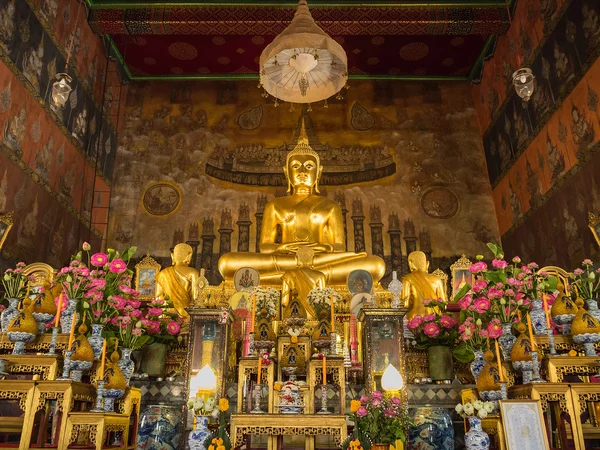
[293,247]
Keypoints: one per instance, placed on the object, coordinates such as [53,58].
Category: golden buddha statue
[312,246]
[419,285]
[179,282]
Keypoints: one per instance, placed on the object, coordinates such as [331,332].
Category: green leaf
[141,341]
[78,256]
[551,283]
[463,291]
[463,353]
[496,250]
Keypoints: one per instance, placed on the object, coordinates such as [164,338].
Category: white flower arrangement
[320,297]
[476,408]
[266,298]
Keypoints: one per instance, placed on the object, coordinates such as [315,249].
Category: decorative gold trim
[541,422]
[147,262]
[444,276]
[6,219]
[41,272]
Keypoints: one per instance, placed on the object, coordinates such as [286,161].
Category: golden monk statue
[420,285]
[179,281]
[312,246]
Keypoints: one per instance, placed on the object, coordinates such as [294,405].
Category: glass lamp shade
[391,380]
[524,82]
[205,380]
[61,89]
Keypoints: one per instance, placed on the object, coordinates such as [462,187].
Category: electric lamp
[61,89]
[391,380]
[203,382]
[524,82]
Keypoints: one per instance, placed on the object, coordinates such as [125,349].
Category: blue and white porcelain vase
[476,438]
[198,436]
[67,316]
[507,340]
[159,428]
[477,364]
[592,307]
[96,340]
[432,429]
[538,317]
[126,364]
[9,313]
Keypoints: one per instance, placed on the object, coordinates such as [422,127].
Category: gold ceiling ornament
[303,64]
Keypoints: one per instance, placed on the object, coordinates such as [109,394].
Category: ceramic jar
[592,307]
[477,364]
[67,315]
[9,313]
[538,317]
[507,340]
[476,438]
[126,364]
[432,429]
[159,428]
[199,435]
[96,340]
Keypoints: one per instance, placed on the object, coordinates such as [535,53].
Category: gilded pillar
[340,199]
[193,241]
[208,240]
[376,231]
[410,236]
[425,244]
[261,201]
[359,231]
[243,224]
[225,231]
[395,242]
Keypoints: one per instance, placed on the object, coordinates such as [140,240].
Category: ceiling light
[524,82]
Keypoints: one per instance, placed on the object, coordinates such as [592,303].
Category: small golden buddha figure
[419,285]
[179,281]
[311,252]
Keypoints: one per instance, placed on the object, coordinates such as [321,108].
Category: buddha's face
[303,171]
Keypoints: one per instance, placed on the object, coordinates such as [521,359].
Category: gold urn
[521,350]
[82,350]
[584,322]
[113,376]
[489,377]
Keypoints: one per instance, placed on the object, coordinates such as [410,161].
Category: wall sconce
[524,82]
[61,89]
[391,380]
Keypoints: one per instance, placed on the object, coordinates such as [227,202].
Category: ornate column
[359,231]
[376,231]
[395,242]
[425,244]
[243,224]
[261,201]
[225,231]
[410,236]
[193,241]
[340,199]
[208,240]
[178,238]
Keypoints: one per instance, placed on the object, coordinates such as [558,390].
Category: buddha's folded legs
[268,265]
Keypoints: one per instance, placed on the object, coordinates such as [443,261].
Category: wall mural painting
[398,175]
[29,49]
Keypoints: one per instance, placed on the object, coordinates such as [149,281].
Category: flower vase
[126,364]
[507,340]
[440,363]
[67,315]
[592,307]
[538,317]
[476,438]
[159,428]
[432,429]
[9,313]
[477,364]
[198,436]
[96,340]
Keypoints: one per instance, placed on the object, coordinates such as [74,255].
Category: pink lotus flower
[532,266]
[415,322]
[157,302]
[86,247]
[479,266]
[99,259]
[494,329]
[464,302]
[136,313]
[64,303]
[481,304]
[479,285]
[155,312]
[428,317]
[154,327]
[499,264]
[137,331]
[173,328]
[587,262]
[431,330]
[99,283]
[427,301]
[578,271]
[97,313]
[134,303]
[389,412]
[118,266]
[376,403]
[118,302]
[362,412]
[447,322]
[516,260]
[395,401]
[364,399]
[495,293]
[378,395]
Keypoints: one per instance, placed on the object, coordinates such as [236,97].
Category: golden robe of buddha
[312,250]
[419,285]
[179,281]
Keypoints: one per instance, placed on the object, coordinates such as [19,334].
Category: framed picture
[444,276]
[593,223]
[523,424]
[461,274]
[145,277]
[246,279]
[6,223]
[360,282]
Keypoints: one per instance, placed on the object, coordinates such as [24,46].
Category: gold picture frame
[145,277]
[460,274]
[6,223]
[523,424]
[594,224]
[444,276]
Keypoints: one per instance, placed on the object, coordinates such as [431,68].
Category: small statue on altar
[179,282]
[419,285]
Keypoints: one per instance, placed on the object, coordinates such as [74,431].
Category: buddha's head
[303,166]
[182,254]
[418,261]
